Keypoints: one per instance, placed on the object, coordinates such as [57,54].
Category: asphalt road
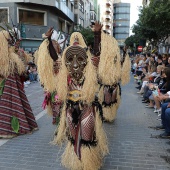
[130,143]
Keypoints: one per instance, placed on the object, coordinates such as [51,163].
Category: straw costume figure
[74,80]
[16,116]
[51,101]
[111,73]
[126,67]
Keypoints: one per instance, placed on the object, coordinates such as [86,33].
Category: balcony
[108,2]
[107,23]
[108,17]
[107,27]
[108,31]
[66,11]
[108,9]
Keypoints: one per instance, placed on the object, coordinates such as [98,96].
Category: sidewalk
[131,147]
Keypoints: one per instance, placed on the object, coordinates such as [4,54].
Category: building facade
[35,17]
[106,15]
[84,12]
[121,21]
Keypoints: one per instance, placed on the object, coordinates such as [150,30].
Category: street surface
[130,143]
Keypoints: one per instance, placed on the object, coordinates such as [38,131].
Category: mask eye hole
[70,59]
[80,59]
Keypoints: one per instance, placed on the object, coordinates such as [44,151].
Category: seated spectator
[148,78]
[164,90]
[165,117]
[152,63]
[35,74]
[141,78]
[168,65]
[158,81]
[140,65]
[31,76]
[159,60]
[165,60]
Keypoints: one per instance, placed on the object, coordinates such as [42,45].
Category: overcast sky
[133,11]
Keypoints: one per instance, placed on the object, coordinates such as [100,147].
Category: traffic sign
[140,48]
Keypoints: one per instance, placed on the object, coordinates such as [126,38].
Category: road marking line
[34,93]
[3,141]
[41,114]
[37,117]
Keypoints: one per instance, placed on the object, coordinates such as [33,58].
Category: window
[66,2]
[75,5]
[32,17]
[81,22]
[72,7]
[121,36]
[122,10]
[3,15]
[61,25]
[122,23]
[81,6]
[91,15]
[122,16]
[94,16]
[76,18]
[68,29]
[122,30]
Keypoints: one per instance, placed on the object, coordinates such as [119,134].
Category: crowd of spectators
[152,75]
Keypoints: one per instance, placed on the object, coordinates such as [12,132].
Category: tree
[154,22]
[131,40]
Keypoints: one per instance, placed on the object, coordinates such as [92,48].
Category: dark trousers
[147,92]
[165,116]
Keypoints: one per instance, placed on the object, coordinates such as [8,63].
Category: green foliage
[15,124]
[87,33]
[131,40]
[53,97]
[2,84]
[154,22]
[57,120]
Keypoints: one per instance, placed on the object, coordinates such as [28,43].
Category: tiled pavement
[130,142]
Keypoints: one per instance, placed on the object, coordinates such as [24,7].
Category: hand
[97,26]
[151,86]
[49,32]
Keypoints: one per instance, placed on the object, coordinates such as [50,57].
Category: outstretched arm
[97,38]
[51,47]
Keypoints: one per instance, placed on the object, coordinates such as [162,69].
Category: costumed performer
[76,84]
[111,72]
[16,116]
